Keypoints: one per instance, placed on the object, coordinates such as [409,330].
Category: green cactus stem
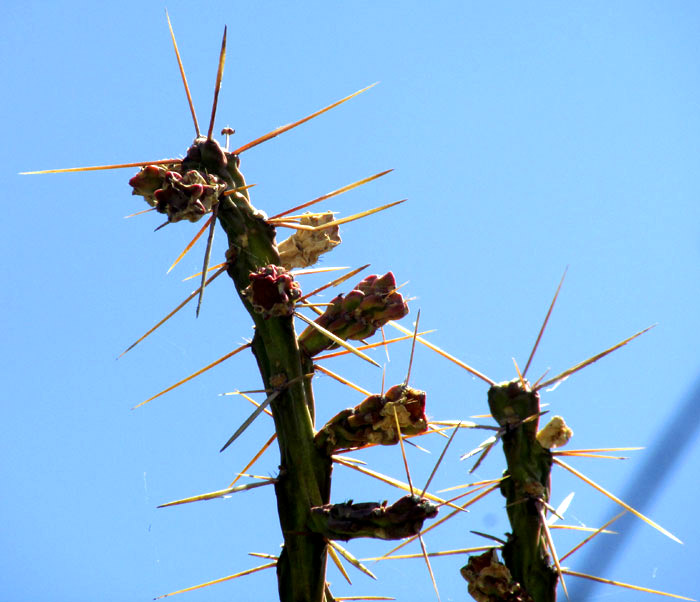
[304,474]
[517,409]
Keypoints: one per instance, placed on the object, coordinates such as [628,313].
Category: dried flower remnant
[345,521]
[303,248]
[555,433]
[357,315]
[372,422]
[490,580]
[272,291]
[180,196]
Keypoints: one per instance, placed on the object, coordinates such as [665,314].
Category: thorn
[336,339]
[442,455]
[443,553]
[483,455]
[592,535]
[213,267]
[101,167]
[163,225]
[386,345]
[442,520]
[617,500]
[254,415]
[552,549]
[182,74]
[487,536]
[351,559]
[238,189]
[191,376]
[544,324]
[627,585]
[286,128]
[334,556]
[390,481]
[475,484]
[581,455]
[580,528]
[403,452]
[343,380]
[256,457]
[483,445]
[356,216]
[335,282]
[413,349]
[221,580]
[604,449]
[217,86]
[430,569]
[539,380]
[244,395]
[260,555]
[445,354]
[523,386]
[217,494]
[191,243]
[207,256]
[306,271]
[172,313]
[140,213]
[591,360]
[561,509]
[332,194]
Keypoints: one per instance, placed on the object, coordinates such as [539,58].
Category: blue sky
[526,138]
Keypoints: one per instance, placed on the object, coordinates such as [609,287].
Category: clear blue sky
[527,138]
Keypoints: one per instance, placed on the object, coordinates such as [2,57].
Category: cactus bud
[357,315]
[272,291]
[187,196]
[372,422]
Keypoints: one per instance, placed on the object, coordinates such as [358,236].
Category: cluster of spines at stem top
[186,190]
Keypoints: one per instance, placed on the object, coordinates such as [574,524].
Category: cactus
[524,567]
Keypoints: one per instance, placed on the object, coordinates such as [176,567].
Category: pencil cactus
[525,567]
